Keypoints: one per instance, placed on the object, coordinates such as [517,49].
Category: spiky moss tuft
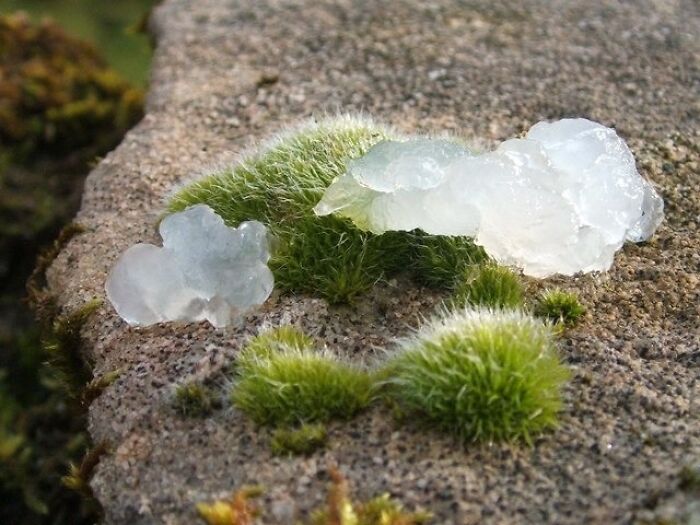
[282,384]
[327,256]
[488,285]
[301,441]
[193,399]
[271,341]
[484,375]
[559,306]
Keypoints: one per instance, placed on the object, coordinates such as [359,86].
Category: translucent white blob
[205,270]
[561,200]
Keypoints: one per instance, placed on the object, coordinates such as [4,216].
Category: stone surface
[563,199]
[230,73]
[204,271]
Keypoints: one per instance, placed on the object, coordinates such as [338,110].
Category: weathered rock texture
[228,73]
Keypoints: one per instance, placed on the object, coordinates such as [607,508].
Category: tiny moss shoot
[483,375]
[193,399]
[559,307]
[281,384]
[238,510]
[94,388]
[62,345]
[327,256]
[342,510]
[489,285]
[690,477]
[302,441]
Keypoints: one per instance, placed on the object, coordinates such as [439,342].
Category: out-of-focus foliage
[117,29]
[61,107]
[57,95]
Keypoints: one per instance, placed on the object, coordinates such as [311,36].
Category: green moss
[559,307]
[287,385]
[327,256]
[78,477]
[96,386]
[62,346]
[342,510]
[690,477]
[489,285]
[439,261]
[302,441]
[193,399]
[271,341]
[482,375]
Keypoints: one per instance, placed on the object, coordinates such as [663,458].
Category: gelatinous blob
[205,270]
[561,200]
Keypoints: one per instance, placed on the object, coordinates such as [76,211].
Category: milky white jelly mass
[561,200]
[205,270]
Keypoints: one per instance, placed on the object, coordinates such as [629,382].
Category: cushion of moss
[489,381]
[291,386]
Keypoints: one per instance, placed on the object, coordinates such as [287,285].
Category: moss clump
[489,285]
[382,510]
[193,399]
[269,342]
[283,384]
[238,510]
[327,256]
[559,307]
[482,375]
[301,441]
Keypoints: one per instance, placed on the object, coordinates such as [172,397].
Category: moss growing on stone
[193,399]
[282,384]
[482,375]
[342,510]
[327,256]
[78,477]
[237,510]
[488,285]
[62,346]
[271,341]
[559,306]
[301,441]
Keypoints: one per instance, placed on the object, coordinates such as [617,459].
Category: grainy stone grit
[226,74]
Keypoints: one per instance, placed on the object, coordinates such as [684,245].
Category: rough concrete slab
[228,73]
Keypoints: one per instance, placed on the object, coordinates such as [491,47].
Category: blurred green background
[70,89]
[113,26]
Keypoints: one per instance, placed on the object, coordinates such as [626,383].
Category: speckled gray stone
[226,74]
